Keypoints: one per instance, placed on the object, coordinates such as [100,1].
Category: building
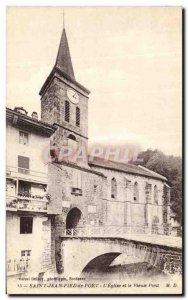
[26,193]
[84,196]
[176,228]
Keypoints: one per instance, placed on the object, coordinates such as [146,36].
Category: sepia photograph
[94,150]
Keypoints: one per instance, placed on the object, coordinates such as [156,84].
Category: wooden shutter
[23,164]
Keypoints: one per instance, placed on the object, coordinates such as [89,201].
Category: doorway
[73,218]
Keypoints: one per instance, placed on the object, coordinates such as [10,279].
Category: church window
[67,111]
[72,145]
[155,194]
[76,183]
[77,116]
[148,192]
[113,188]
[71,137]
[136,192]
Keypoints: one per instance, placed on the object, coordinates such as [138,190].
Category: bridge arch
[100,262]
[80,254]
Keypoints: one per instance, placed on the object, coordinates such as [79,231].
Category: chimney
[34,115]
[21,110]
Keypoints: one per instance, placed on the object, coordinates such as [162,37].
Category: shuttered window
[67,111]
[23,164]
[23,138]
[77,116]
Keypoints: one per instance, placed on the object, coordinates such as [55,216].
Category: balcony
[26,174]
[27,202]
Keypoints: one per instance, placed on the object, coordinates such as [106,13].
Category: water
[138,270]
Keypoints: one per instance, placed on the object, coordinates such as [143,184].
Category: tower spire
[63,61]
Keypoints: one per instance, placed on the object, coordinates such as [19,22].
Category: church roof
[125,167]
[63,61]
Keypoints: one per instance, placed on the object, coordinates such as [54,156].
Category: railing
[113,231]
[26,203]
[16,266]
[18,172]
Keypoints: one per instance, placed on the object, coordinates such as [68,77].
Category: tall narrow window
[77,179]
[113,188]
[67,111]
[76,183]
[23,164]
[72,145]
[148,192]
[155,194]
[77,116]
[136,192]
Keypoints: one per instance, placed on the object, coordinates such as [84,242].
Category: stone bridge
[84,254]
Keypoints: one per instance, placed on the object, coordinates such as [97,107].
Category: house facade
[28,222]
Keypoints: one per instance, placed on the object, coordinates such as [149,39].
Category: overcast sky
[129,58]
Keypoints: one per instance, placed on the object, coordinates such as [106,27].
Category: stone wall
[47,245]
[60,184]
[63,199]
[124,209]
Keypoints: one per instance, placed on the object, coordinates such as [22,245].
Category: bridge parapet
[116,230]
[139,233]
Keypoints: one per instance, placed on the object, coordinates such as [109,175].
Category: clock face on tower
[73,96]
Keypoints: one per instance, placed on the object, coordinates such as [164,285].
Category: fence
[26,203]
[113,231]
[16,266]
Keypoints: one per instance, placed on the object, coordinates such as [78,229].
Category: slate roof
[126,168]
[63,61]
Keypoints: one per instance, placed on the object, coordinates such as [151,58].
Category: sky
[129,58]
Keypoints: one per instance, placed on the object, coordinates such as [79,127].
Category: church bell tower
[64,101]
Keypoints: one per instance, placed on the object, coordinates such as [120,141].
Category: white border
[3,5]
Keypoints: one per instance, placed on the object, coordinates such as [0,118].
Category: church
[62,198]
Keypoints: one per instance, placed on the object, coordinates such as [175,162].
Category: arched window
[72,146]
[67,111]
[77,116]
[71,137]
[114,188]
[136,192]
[155,194]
